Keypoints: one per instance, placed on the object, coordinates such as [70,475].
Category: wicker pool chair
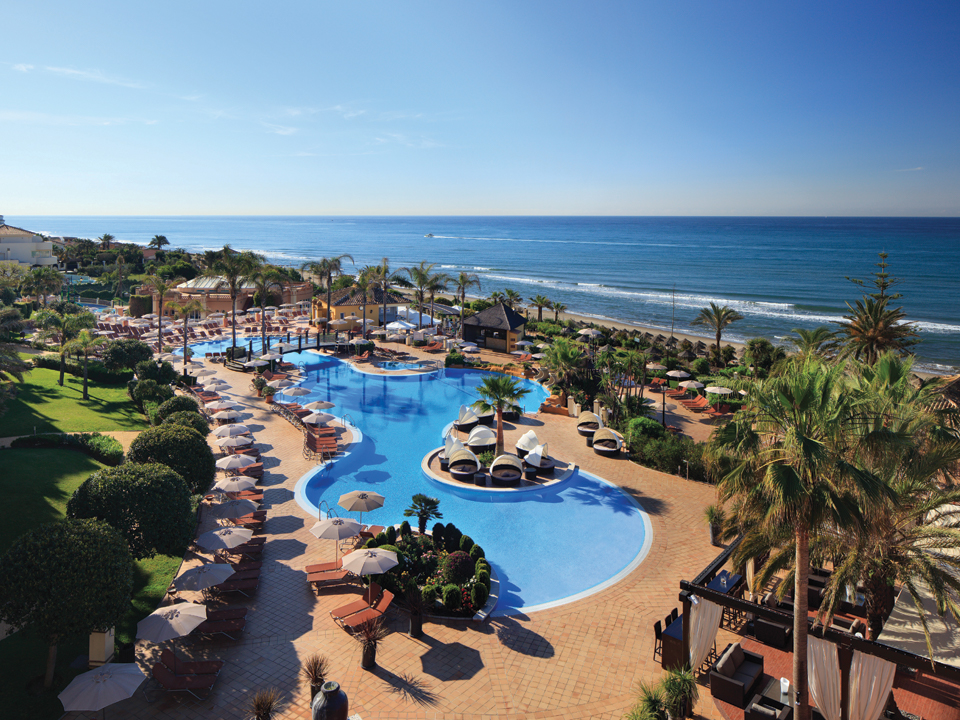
[539,461]
[463,466]
[607,443]
[506,470]
[481,439]
[588,423]
[466,420]
[485,417]
[527,442]
[450,446]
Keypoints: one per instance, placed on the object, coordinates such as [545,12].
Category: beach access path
[578,660]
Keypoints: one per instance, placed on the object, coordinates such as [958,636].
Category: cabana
[485,417]
[527,442]
[451,446]
[506,470]
[606,442]
[538,461]
[466,420]
[482,439]
[464,465]
[588,423]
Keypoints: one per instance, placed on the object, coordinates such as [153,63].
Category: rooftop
[498,317]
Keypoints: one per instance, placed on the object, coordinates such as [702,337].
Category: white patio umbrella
[394,338]
[400,325]
[338,323]
[284,347]
[150,316]
[224,538]
[278,384]
[218,405]
[655,366]
[359,341]
[467,343]
[379,332]
[524,343]
[102,686]
[235,462]
[336,528]
[235,484]
[296,391]
[234,508]
[691,384]
[226,415]
[360,501]
[256,363]
[231,430]
[370,561]
[518,352]
[470,349]
[538,356]
[719,390]
[171,357]
[238,441]
[204,576]
[214,382]
[271,356]
[590,332]
[317,418]
[679,374]
[204,373]
[172,621]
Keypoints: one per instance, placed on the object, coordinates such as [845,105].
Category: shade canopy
[507,460]
[238,441]
[451,445]
[535,456]
[607,434]
[464,455]
[655,367]
[235,462]
[361,501]
[400,325]
[370,561]
[678,374]
[714,390]
[296,391]
[481,435]
[204,576]
[94,690]
[590,332]
[256,363]
[224,538]
[226,415]
[336,528]
[316,418]
[231,430]
[278,384]
[691,384]
[218,405]
[235,484]
[234,508]
[466,415]
[588,417]
[528,441]
[319,405]
[172,621]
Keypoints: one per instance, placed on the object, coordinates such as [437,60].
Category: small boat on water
[429,235]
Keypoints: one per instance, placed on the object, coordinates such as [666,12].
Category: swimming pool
[397,365]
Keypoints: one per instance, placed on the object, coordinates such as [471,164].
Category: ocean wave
[558,242]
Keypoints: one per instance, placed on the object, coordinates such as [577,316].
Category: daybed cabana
[607,443]
[506,470]
[538,461]
[451,446]
[527,442]
[463,466]
[467,419]
[588,423]
[482,439]
[485,417]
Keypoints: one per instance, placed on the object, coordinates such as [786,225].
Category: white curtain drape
[871,680]
[823,671]
[704,621]
[751,571]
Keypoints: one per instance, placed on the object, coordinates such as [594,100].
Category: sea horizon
[780,272]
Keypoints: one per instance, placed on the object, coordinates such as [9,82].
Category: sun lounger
[190,667]
[324,567]
[370,596]
[230,628]
[223,614]
[197,685]
[329,579]
[245,587]
[378,609]
[369,531]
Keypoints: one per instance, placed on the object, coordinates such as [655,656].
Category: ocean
[779,273]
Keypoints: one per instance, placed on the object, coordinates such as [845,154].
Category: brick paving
[579,660]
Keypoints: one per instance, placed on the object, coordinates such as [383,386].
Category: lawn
[38,483]
[42,406]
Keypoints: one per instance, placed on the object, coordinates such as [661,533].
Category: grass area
[38,484]
[42,406]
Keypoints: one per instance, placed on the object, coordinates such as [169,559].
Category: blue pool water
[546,545]
[396,365]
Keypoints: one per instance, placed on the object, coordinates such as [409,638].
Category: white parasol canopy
[679,374]
[400,325]
[172,621]
[218,405]
[231,430]
[319,405]
[317,418]
[713,389]
[234,508]
[237,441]
[256,363]
[279,384]
[226,415]
[528,441]
[296,391]
[235,484]
[224,538]
[103,686]
[235,462]
[370,561]
[203,577]
[691,384]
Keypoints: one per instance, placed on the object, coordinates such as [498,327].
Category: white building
[25,247]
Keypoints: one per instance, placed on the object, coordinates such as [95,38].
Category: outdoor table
[672,655]
[733,582]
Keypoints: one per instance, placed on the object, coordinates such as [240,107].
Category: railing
[343,420]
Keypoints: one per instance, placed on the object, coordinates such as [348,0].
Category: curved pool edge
[299,491]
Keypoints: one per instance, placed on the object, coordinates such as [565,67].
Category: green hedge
[102,448]
[25,308]
[453,358]
[96,372]
[668,453]
[141,305]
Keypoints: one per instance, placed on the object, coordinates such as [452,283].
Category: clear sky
[515,107]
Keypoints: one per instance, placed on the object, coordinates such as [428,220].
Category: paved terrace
[580,660]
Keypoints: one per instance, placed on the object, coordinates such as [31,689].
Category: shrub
[454,358]
[438,535]
[152,410]
[163,374]
[381,538]
[149,505]
[405,529]
[141,305]
[486,458]
[180,448]
[478,595]
[483,577]
[483,564]
[457,568]
[190,419]
[150,391]
[391,533]
[643,427]
[96,372]
[451,538]
[125,354]
[476,552]
[102,448]
[178,403]
[668,453]
[25,308]
[370,543]
[466,543]
[451,597]
[700,366]
[429,596]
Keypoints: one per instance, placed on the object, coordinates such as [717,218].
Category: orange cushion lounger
[324,567]
[370,596]
[379,608]
[328,579]
[196,685]
[190,667]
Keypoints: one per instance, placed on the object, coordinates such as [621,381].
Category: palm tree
[564,359]
[717,318]
[424,509]
[438,283]
[361,285]
[420,278]
[500,392]
[85,343]
[872,329]
[497,297]
[788,474]
[41,282]
[265,281]
[121,259]
[819,342]
[161,287]
[635,368]
[382,278]
[62,329]
[184,311]
[540,302]
[12,324]
[327,267]
[232,269]
[464,282]
[557,307]
[512,298]
[105,241]
[158,241]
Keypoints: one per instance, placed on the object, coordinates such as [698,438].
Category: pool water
[397,365]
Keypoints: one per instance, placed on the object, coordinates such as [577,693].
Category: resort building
[349,301]
[212,294]
[498,328]
[25,247]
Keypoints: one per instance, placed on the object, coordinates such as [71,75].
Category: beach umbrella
[590,332]
[679,374]
[691,385]
[470,349]
[316,418]
[216,381]
[171,357]
[226,415]
[524,343]
[203,577]
[278,384]
[338,323]
[319,405]
[172,621]
[150,316]
[256,363]
[234,508]
[95,689]
[359,341]
[284,347]
[235,462]
[467,343]
[271,356]
[235,484]
[543,346]
[336,528]
[379,332]
[231,430]
[238,441]
[361,501]
[655,367]
[203,373]
[224,538]
[400,325]
[538,356]
[297,391]
[218,405]
[713,389]
[370,561]
[687,355]
[518,353]
[394,338]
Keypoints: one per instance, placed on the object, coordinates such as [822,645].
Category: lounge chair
[451,445]
[370,596]
[245,587]
[588,423]
[607,443]
[324,567]
[197,685]
[481,439]
[189,667]
[329,579]
[539,461]
[506,470]
[369,531]
[527,442]
[466,419]
[230,628]
[378,609]
[486,417]
[735,675]
[463,466]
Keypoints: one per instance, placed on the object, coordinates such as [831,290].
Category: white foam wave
[550,241]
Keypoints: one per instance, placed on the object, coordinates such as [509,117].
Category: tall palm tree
[12,325]
[265,281]
[499,392]
[158,241]
[361,285]
[497,297]
[327,267]
[635,368]
[420,278]
[564,359]
[464,282]
[438,283]
[62,329]
[788,474]
[84,344]
[121,268]
[557,307]
[819,342]
[872,329]
[540,302]
[232,268]
[512,298]
[41,282]
[183,311]
[383,279]
[105,241]
[717,318]
[161,287]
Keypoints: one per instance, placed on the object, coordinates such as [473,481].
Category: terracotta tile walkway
[579,660]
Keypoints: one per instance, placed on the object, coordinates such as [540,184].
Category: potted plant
[314,670]
[268,393]
[651,703]
[370,634]
[715,517]
[415,604]
[259,384]
[265,703]
[680,691]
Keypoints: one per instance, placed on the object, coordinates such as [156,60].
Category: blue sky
[556,108]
